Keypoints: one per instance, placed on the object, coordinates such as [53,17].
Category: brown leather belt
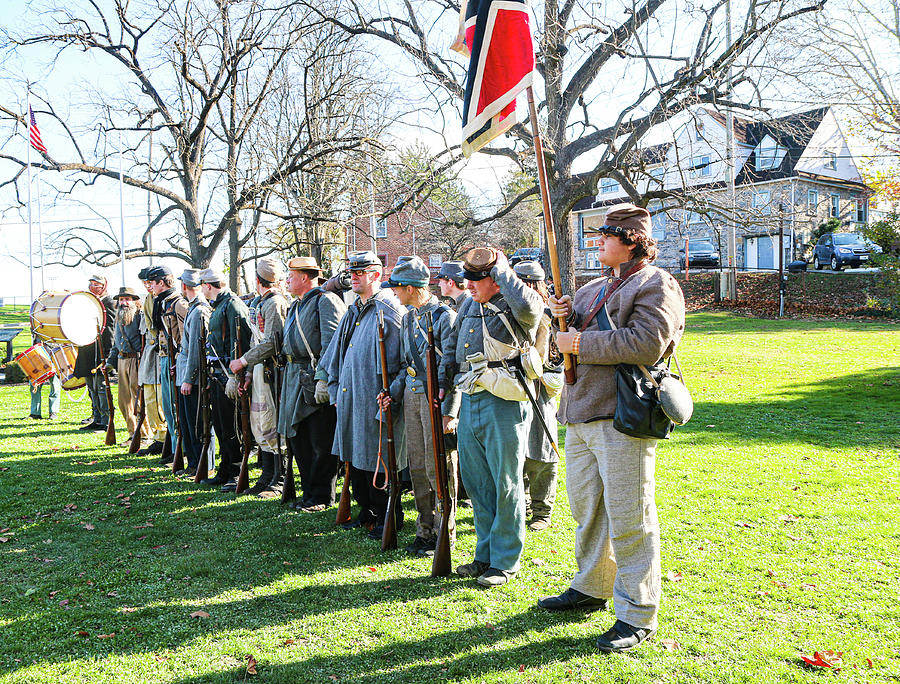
[129,356]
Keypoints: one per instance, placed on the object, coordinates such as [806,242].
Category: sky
[73,81]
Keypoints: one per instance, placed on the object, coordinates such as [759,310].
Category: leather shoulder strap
[615,286]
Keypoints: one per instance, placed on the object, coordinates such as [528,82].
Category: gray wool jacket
[271,313]
[318,314]
[187,360]
[353,366]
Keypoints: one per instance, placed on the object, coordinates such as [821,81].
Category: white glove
[231,388]
[322,392]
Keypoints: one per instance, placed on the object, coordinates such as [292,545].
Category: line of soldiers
[498,374]
[326,411]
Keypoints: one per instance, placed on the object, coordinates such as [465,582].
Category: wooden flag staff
[568,359]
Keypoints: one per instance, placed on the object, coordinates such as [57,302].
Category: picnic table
[8,334]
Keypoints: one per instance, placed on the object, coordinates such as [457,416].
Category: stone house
[791,173]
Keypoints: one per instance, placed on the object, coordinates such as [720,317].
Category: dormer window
[700,166]
[768,154]
[830,159]
[608,185]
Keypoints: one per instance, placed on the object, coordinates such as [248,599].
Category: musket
[440,564]
[243,481]
[203,407]
[343,512]
[111,425]
[389,536]
[289,488]
[520,376]
[135,445]
[178,460]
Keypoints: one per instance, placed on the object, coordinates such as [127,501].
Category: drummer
[89,359]
[52,400]
[124,357]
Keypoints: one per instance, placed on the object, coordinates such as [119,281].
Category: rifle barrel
[389,537]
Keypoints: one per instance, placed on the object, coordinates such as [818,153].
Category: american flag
[496,37]
[34,135]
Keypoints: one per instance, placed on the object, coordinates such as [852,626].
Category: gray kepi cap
[360,261]
[411,271]
[190,277]
[212,276]
[452,270]
[531,271]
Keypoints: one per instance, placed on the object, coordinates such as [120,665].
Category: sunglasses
[615,231]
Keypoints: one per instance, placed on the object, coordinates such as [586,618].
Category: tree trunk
[234,252]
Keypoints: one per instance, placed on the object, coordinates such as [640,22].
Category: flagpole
[40,233]
[568,359]
[30,238]
[121,210]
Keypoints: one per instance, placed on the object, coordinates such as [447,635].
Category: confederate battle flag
[495,35]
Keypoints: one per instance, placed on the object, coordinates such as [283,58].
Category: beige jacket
[648,310]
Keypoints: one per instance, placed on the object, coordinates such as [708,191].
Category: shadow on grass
[860,409]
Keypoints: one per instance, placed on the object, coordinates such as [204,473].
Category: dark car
[701,254]
[527,254]
[841,249]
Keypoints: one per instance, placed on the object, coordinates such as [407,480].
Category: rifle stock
[203,403]
[389,536]
[111,425]
[243,481]
[343,511]
[135,445]
[440,564]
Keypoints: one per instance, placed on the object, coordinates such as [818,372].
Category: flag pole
[121,210]
[40,233]
[30,238]
[568,359]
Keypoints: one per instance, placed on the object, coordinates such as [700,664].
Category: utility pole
[731,280]
[782,279]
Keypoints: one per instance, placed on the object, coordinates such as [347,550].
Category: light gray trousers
[611,487]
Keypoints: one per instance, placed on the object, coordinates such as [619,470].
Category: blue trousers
[53,399]
[492,434]
[168,401]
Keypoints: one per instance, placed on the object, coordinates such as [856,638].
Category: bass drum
[36,363]
[64,361]
[75,317]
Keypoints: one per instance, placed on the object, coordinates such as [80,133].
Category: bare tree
[201,77]
[611,73]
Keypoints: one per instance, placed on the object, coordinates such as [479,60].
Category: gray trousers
[540,488]
[96,388]
[420,451]
[611,488]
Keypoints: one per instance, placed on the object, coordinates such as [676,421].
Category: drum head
[81,316]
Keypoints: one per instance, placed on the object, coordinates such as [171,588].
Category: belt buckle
[411,371]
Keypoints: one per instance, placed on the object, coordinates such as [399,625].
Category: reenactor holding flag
[409,281]
[493,329]
[266,325]
[306,418]
[187,370]
[354,383]
[148,373]
[229,331]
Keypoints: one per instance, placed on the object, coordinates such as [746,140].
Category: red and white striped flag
[496,36]
[34,135]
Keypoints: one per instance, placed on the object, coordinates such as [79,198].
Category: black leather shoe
[474,569]
[36,416]
[97,427]
[155,448]
[622,637]
[93,425]
[352,525]
[376,532]
[230,486]
[420,545]
[571,599]
[214,481]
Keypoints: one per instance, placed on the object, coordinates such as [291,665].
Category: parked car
[701,254]
[527,254]
[841,249]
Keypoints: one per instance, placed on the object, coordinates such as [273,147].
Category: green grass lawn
[778,505]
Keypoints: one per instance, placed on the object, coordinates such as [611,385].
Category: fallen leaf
[54,593]
[128,609]
[288,563]
[371,569]
[112,594]
[3,540]
[251,665]
[824,659]
[792,537]
[161,658]
[807,587]
[788,518]
[190,498]
[119,496]
[200,614]
[674,576]
[81,632]
[64,602]
[333,677]
[869,663]
[742,523]
[106,636]
[782,585]
[770,573]
[539,561]
[522,668]
[88,526]
[670,644]
[288,642]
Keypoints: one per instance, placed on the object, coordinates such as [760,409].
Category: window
[830,160]
[381,228]
[658,225]
[593,261]
[812,201]
[834,206]
[700,166]
[580,231]
[384,258]
[435,260]
[762,201]
[608,185]
[862,210]
[657,174]
[766,154]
